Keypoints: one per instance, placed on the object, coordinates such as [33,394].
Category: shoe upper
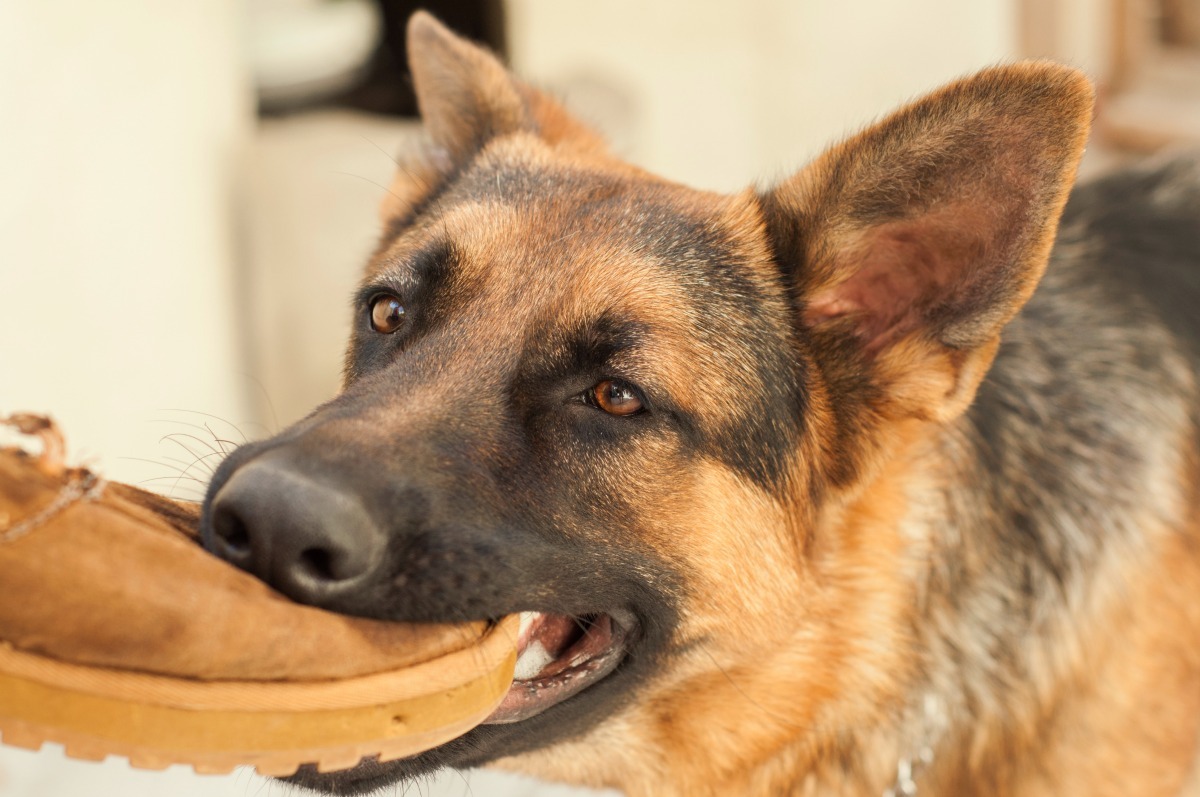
[108,575]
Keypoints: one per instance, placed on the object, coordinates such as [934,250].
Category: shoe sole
[275,726]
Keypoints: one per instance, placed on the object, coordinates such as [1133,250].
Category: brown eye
[616,398]
[387,314]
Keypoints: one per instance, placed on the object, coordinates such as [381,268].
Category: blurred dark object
[306,52]
[1145,55]
[1153,91]
[387,86]
[351,53]
[1179,23]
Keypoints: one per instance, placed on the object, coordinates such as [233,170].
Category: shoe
[120,635]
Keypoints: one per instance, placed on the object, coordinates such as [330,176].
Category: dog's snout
[310,540]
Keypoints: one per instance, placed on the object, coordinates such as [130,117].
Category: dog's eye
[615,398]
[387,314]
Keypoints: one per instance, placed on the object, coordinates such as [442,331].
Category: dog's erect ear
[465,95]
[467,98]
[913,243]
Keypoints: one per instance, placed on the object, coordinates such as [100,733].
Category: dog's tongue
[542,639]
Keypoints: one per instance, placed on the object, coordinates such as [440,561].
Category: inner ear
[911,274]
[918,239]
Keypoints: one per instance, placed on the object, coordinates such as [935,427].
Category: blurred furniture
[1154,89]
[1145,56]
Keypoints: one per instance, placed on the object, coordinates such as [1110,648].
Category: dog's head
[650,415]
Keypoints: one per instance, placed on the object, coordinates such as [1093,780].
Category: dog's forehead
[529,230]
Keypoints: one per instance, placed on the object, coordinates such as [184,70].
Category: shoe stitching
[89,488]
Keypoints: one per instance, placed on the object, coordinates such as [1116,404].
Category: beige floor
[49,774]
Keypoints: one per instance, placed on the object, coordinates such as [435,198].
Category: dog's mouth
[559,656]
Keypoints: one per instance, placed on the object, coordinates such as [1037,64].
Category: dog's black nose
[310,540]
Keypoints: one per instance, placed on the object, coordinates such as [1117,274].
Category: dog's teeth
[533,659]
[527,619]
[527,628]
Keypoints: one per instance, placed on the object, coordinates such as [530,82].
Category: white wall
[120,126]
[723,93]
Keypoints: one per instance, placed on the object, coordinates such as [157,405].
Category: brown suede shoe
[120,635]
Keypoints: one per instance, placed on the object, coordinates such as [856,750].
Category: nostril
[317,564]
[232,533]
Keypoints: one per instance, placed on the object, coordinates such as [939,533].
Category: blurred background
[188,190]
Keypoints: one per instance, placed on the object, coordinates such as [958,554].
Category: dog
[801,490]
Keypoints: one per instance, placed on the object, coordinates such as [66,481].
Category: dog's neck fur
[1020,491]
[1028,534]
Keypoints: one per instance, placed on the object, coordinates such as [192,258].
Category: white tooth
[531,661]
[527,619]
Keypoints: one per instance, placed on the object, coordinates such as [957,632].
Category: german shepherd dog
[801,490]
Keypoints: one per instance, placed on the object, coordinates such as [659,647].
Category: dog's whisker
[175,422]
[773,715]
[212,449]
[395,161]
[261,783]
[173,478]
[180,473]
[467,790]
[220,441]
[372,182]
[205,427]
[270,406]
[469,639]
[202,462]
[200,459]
[197,493]
[182,467]
[185,463]
[225,421]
